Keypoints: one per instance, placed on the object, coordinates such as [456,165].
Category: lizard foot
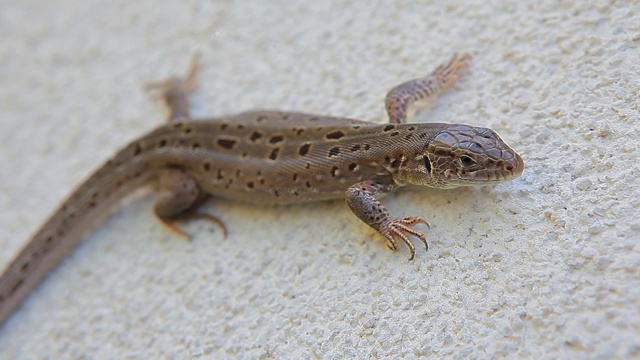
[171,224]
[175,91]
[402,227]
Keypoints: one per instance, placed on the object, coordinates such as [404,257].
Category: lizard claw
[402,227]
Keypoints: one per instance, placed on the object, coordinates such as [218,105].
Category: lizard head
[461,155]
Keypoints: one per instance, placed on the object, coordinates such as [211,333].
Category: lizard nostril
[515,167]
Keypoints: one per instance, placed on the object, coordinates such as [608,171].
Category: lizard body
[274,157]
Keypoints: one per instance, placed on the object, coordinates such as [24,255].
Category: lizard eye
[467,161]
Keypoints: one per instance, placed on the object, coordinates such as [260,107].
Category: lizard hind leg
[180,201]
[175,91]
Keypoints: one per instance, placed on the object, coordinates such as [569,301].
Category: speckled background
[546,266]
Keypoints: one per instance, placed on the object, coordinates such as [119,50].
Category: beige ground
[543,267]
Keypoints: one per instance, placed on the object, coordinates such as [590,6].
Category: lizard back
[278,157]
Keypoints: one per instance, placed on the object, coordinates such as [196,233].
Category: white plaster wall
[546,266]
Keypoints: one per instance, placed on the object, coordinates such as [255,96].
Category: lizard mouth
[505,170]
[508,170]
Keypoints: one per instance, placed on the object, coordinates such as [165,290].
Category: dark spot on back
[389,128]
[335,151]
[226,143]
[276,139]
[335,135]
[304,149]
[255,136]
[273,155]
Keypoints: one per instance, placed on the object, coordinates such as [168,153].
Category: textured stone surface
[543,267]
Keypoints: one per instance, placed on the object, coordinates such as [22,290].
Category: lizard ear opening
[427,164]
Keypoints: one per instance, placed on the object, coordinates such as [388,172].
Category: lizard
[276,158]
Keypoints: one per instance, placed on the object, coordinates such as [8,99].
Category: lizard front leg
[361,199]
[403,95]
